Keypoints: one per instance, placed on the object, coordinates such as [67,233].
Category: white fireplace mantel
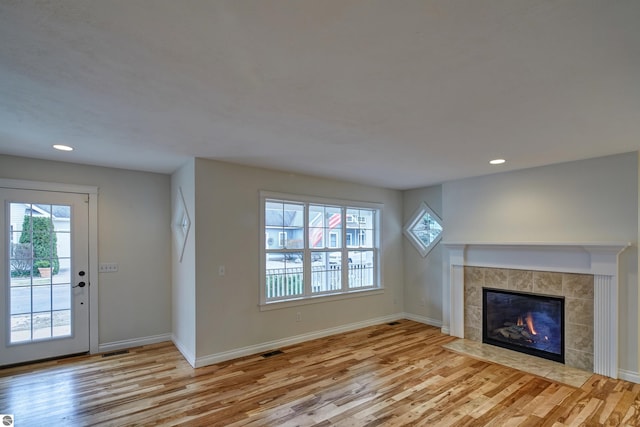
[598,259]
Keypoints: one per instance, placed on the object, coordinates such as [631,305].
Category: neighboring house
[284,228]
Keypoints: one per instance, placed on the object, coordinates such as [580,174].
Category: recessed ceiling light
[497,161]
[62,147]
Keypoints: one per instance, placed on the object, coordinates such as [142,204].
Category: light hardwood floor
[386,375]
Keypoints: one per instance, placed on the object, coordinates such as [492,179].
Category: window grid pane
[325,226]
[285,276]
[360,227]
[360,269]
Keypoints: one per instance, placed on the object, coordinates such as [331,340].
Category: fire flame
[530,324]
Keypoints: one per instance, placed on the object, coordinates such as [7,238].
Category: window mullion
[345,250]
[306,256]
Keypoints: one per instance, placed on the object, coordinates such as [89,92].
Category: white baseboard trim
[631,376]
[422,319]
[445,330]
[188,355]
[135,342]
[271,345]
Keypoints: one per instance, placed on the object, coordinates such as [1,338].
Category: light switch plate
[108,267]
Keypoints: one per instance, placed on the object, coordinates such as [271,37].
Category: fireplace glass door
[528,323]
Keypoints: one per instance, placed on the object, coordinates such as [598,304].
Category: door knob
[80,285]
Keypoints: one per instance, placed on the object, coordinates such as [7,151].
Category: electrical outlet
[108,267]
[298,317]
[221,271]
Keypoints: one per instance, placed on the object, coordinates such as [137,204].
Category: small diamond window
[424,230]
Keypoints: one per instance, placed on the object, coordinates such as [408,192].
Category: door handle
[80,285]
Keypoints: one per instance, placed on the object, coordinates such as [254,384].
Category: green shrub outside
[42,264]
[21,259]
[40,233]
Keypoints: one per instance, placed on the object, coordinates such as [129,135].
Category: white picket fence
[282,283]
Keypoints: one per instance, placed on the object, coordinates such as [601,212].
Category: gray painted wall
[591,200]
[423,275]
[227,208]
[133,231]
[183,281]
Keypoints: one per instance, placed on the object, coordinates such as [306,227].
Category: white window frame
[309,297]
[282,239]
[362,236]
[333,240]
[417,216]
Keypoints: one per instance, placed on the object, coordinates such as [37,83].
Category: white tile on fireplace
[523,362]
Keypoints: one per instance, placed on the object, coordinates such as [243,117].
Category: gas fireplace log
[515,332]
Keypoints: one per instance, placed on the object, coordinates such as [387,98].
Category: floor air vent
[393,323]
[115,353]
[272,353]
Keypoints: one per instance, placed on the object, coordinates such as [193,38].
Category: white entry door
[44,275]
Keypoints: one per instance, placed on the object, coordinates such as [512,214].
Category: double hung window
[315,247]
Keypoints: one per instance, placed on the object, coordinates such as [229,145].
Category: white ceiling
[399,94]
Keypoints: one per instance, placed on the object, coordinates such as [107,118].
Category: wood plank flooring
[386,375]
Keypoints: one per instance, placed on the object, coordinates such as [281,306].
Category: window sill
[276,305]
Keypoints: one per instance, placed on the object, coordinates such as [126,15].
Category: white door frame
[92,191]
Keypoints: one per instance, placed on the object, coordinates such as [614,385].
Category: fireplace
[524,322]
[585,274]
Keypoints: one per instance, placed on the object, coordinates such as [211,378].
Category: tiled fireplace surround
[585,274]
[577,289]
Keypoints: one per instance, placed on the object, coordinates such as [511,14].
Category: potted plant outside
[44,268]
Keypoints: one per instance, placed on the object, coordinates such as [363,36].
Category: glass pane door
[44,276]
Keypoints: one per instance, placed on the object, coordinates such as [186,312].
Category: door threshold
[49,359]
